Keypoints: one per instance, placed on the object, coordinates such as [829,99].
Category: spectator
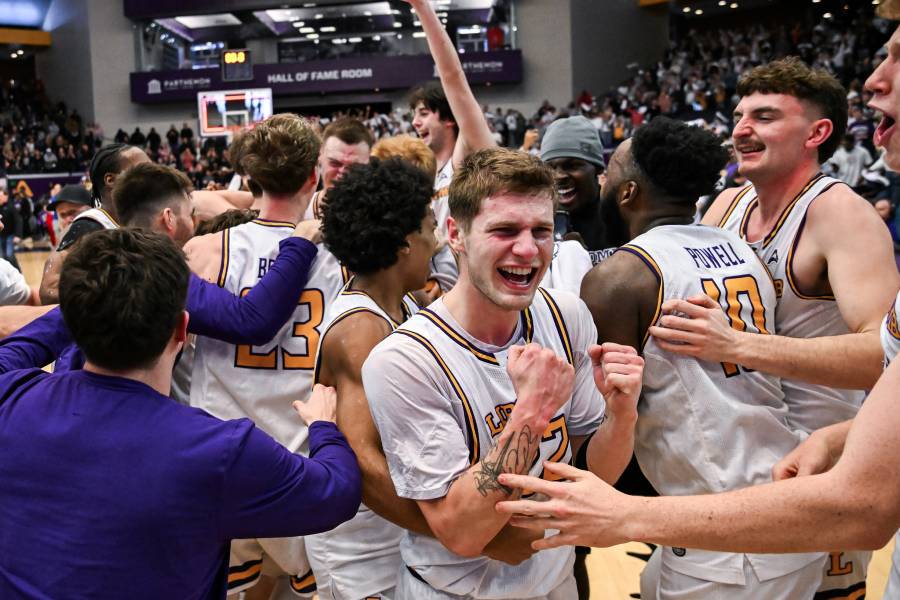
[138,138]
[12,228]
[70,202]
[849,160]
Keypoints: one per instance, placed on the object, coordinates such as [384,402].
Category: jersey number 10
[736,289]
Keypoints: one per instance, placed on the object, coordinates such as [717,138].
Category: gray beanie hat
[573,137]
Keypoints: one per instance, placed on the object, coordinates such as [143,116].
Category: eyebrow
[761,109]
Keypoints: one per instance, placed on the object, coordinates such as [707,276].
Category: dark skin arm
[344,350]
[621,293]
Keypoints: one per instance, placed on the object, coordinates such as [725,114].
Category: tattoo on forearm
[515,456]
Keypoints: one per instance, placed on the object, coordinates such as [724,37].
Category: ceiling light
[328,29]
[307,30]
[418,34]
[698,12]
[13,55]
[299,24]
[338,41]
[723,3]
[312,36]
[377,38]
[399,36]
[828,15]
[397,25]
[368,13]
[20,52]
[320,16]
[354,40]
[417,23]
[733,5]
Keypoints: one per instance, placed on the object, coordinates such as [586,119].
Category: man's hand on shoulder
[321,406]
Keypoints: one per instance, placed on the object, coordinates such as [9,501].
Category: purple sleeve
[271,492]
[257,317]
[37,344]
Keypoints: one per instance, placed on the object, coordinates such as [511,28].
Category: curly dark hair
[370,211]
[121,295]
[793,77]
[682,161]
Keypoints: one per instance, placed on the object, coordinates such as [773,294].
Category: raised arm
[474,133]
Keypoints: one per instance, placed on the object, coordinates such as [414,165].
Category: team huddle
[376,373]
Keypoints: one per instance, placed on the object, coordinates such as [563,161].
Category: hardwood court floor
[614,574]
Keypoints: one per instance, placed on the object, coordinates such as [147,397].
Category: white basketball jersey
[360,557]
[797,315]
[440,398]
[890,333]
[443,264]
[100,216]
[706,427]
[570,264]
[233,381]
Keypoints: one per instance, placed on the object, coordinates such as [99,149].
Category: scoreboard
[237,65]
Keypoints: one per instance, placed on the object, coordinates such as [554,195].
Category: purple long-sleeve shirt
[254,319]
[113,490]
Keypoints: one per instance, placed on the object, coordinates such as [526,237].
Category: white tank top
[706,427]
[100,216]
[797,315]
[443,264]
[890,333]
[233,381]
[361,557]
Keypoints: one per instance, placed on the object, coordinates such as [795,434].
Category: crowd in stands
[695,81]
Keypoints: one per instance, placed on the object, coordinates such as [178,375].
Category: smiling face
[507,247]
[576,182]
[434,131]
[337,156]
[772,134]
[884,84]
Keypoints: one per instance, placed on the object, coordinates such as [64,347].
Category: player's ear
[455,235]
[628,193]
[820,133]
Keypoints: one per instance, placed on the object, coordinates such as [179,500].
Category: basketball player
[107,164]
[853,505]
[703,427]
[379,224]
[810,230]
[457,401]
[345,142]
[447,118]
[279,156]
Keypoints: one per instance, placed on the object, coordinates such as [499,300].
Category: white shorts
[411,588]
[845,574]
[673,585]
[275,557]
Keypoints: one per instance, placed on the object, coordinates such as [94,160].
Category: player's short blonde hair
[493,171]
[889,9]
[409,149]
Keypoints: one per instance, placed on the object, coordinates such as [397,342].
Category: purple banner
[36,185]
[360,74]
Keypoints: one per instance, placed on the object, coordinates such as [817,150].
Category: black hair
[121,295]
[370,211]
[432,96]
[682,161]
[106,160]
